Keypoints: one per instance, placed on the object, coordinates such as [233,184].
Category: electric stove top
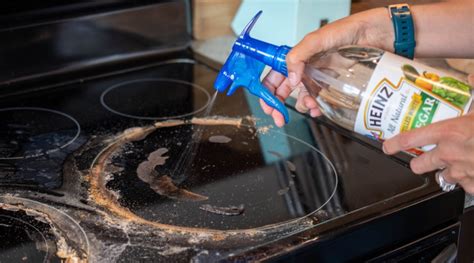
[147,163]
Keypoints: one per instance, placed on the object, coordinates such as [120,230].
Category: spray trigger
[245,65]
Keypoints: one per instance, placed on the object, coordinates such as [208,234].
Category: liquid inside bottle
[379,94]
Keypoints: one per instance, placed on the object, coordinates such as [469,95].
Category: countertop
[217,48]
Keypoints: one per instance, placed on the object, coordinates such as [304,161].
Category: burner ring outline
[78,132]
[49,210]
[198,87]
[48,252]
[331,165]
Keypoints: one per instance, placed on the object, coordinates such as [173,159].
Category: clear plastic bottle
[367,90]
[379,94]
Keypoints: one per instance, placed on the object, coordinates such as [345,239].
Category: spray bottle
[367,90]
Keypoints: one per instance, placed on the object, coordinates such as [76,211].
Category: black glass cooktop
[146,164]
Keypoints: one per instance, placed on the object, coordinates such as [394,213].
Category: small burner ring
[162,80]
[56,148]
[59,227]
[27,227]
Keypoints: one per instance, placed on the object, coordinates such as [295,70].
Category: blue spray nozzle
[245,64]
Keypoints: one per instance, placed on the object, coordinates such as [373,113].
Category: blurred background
[284,22]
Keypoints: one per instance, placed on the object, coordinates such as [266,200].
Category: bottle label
[404,95]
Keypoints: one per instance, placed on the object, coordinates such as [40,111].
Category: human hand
[372,28]
[454,152]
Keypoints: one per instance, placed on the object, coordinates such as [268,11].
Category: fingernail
[383,149]
[292,78]
[279,124]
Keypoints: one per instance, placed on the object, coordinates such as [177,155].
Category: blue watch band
[404,43]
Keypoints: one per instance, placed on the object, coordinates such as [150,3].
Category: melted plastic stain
[283,191]
[164,186]
[226,211]
[219,139]
[291,166]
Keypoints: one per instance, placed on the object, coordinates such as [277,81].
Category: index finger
[273,80]
[300,53]
[427,135]
[331,35]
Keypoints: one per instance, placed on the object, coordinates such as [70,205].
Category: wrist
[378,31]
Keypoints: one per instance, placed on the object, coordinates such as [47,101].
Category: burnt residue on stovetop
[160,183]
[136,215]
[223,174]
[122,198]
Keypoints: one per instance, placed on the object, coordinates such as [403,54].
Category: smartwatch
[404,43]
